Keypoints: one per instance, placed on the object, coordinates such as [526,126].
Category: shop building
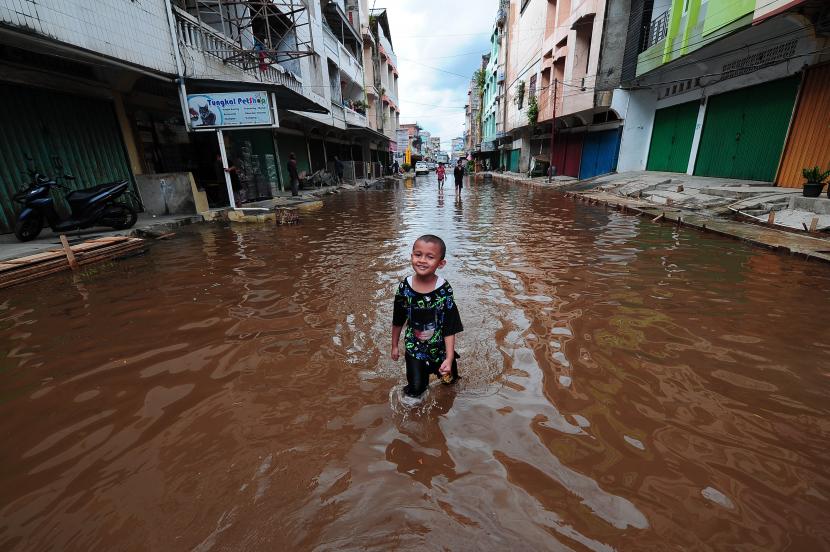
[730,89]
[121,92]
[558,97]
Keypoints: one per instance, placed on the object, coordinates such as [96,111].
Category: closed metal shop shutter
[744,131]
[809,142]
[671,138]
[83,132]
[567,153]
[515,156]
[599,153]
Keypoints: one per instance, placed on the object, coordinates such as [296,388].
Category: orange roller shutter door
[809,141]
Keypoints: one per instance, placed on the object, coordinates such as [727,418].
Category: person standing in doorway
[293,175]
[458,174]
[338,169]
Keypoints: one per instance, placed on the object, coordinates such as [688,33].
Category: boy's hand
[446,367]
[395,354]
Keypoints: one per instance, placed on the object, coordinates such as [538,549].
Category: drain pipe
[171,23]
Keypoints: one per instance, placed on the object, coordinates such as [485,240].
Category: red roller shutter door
[567,153]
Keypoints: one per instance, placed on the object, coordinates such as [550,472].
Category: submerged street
[626,386]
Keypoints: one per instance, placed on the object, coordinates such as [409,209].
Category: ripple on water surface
[626,385]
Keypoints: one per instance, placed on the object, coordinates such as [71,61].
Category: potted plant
[815,181]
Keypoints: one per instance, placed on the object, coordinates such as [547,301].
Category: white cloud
[433,33]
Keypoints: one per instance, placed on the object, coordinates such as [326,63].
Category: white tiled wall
[135,31]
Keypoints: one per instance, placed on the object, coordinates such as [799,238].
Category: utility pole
[553,124]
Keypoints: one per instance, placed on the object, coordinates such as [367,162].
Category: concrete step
[743,192]
[818,205]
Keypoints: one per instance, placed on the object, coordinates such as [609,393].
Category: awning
[286,98]
[367,132]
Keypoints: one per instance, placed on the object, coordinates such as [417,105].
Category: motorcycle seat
[79,196]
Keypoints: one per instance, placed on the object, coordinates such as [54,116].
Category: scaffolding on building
[264,32]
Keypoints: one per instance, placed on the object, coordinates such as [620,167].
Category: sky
[434,39]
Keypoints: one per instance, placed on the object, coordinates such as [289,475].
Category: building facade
[492,108]
[733,88]
[560,80]
[381,76]
[139,106]
[729,90]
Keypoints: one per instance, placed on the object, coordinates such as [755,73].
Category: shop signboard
[229,110]
[402,138]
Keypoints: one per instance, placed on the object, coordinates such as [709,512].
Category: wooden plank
[8,283]
[39,271]
[59,263]
[813,224]
[70,256]
[110,250]
[35,269]
[35,258]
[57,253]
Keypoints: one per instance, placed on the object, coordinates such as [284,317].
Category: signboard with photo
[229,109]
[402,138]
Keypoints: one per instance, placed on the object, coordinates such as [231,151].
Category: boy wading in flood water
[425,303]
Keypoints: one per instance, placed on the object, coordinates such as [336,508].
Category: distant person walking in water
[293,175]
[425,303]
[441,172]
[458,174]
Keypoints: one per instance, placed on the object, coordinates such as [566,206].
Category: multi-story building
[492,110]
[153,101]
[425,144]
[381,75]
[559,86]
[435,145]
[413,131]
[472,124]
[731,89]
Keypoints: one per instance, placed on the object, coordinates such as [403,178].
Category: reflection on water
[627,386]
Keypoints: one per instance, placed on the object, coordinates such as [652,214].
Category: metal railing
[658,29]
[201,38]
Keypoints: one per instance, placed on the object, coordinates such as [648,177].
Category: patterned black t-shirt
[430,318]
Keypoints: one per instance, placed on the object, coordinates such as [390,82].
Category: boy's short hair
[431,238]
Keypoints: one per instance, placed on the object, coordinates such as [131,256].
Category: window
[532,89]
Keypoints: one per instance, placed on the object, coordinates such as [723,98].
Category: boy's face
[426,258]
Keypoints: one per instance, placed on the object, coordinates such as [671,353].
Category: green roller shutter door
[671,139]
[744,131]
[83,132]
[515,156]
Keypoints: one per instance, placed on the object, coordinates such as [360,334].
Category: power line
[435,105]
[435,68]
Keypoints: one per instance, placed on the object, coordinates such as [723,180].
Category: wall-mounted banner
[229,109]
[402,139]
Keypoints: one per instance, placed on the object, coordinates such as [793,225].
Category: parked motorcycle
[95,206]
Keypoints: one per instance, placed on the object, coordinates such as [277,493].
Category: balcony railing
[206,40]
[657,30]
[355,118]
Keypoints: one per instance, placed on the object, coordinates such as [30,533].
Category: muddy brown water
[627,386]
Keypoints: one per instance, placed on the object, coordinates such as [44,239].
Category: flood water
[626,386]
